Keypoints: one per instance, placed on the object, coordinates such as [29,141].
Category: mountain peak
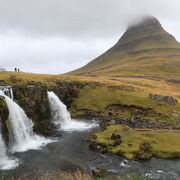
[144,49]
[145,21]
[148,29]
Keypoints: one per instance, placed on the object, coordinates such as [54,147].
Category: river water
[71,152]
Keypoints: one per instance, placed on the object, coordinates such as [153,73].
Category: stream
[71,152]
[29,154]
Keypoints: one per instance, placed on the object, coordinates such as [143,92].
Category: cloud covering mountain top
[56,36]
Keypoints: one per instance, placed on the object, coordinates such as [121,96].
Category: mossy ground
[124,103]
[165,143]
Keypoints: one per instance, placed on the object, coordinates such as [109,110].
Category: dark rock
[168,99]
[4,112]
[110,114]
[117,142]
[55,126]
[93,147]
[115,135]
[102,149]
[145,151]
[146,146]
[171,100]
[98,172]
[33,99]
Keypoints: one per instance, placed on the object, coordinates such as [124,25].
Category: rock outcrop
[168,99]
[33,99]
[3,118]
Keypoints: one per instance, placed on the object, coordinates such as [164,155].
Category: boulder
[102,148]
[115,135]
[145,151]
[117,142]
[98,172]
[92,147]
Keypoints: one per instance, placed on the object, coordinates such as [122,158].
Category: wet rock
[55,126]
[98,172]
[115,135]
[93,147]
[145,151]
[98,147]
[4,112]
[102,149]
[33,99]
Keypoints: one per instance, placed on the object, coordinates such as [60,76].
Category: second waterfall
[61,117]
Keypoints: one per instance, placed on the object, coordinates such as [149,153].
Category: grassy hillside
[144,50]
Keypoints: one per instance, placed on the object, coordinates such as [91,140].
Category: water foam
[61,117]
[22,137]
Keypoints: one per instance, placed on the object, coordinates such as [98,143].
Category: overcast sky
[56,36]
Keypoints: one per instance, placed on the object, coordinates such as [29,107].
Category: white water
[61,117]
[22,137]
[11,94]
[6,162]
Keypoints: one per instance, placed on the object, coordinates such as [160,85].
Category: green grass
[102,99]
[165,143]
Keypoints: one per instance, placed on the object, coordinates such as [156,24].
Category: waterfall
[5,161]
[61,117]
[21,132]
[7,90]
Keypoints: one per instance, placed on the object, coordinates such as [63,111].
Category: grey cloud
[56,36]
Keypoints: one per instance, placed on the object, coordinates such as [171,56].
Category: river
[70,152]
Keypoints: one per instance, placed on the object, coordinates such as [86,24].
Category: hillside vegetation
[145,49]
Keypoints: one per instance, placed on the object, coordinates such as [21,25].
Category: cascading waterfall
[21,132]
[61,117]
[6,162]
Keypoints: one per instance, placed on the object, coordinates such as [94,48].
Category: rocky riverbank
[139,144]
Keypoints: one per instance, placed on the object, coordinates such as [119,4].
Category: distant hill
[145,49]
[2,69]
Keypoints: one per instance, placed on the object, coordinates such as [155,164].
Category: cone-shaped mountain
[144,49]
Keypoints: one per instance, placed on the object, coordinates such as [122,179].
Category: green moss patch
[140,143]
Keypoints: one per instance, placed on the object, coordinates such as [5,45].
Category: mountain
[145,49]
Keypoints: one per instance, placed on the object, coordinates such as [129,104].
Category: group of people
[16,69]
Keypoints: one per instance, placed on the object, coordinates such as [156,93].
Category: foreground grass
[78,175]
[41,175]
[135,142]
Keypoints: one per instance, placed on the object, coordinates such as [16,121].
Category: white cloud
[55,36]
